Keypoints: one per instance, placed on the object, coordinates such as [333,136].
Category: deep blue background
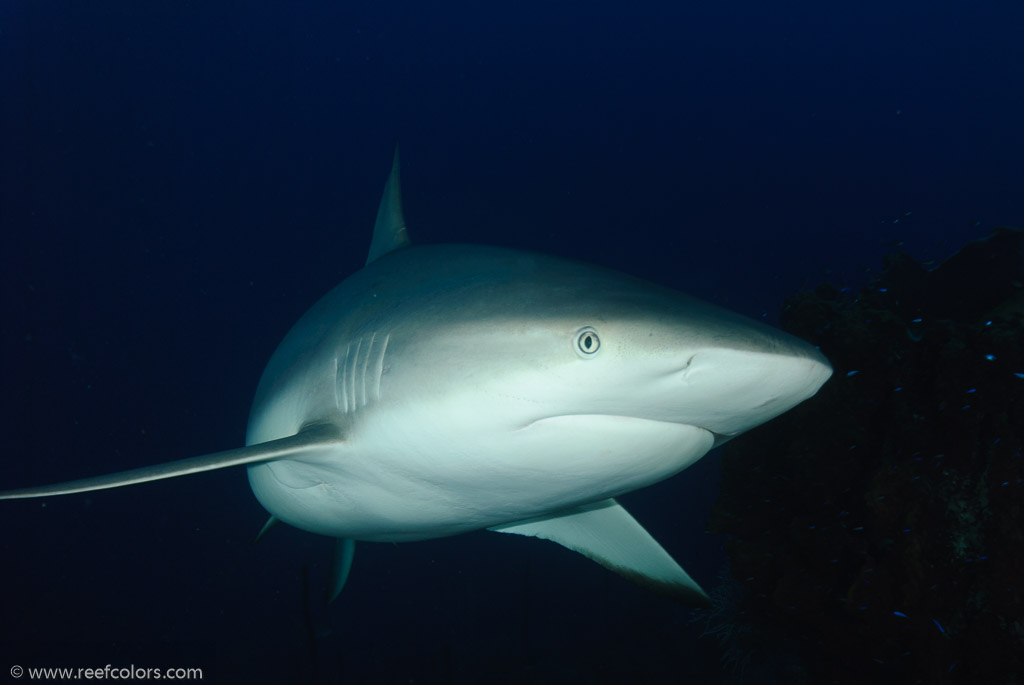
[179,181]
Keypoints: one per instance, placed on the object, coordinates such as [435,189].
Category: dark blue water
[179,181]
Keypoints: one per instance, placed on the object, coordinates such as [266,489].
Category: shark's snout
[729,391]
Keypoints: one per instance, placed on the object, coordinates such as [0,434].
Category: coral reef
[880,526]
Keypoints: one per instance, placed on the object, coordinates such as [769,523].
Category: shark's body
[444,389]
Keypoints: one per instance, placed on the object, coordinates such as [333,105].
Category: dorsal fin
[389,231]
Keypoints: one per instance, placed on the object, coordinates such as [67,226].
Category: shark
[443,389]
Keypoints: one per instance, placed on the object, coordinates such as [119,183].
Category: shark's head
[551,339]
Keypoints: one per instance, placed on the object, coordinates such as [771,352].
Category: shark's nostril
[687,365]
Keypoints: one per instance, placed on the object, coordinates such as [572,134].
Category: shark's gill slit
[352,376]
[378,370]
[339,400]
[341,382]
[365,366]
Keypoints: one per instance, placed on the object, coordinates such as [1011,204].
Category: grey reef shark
[443,389]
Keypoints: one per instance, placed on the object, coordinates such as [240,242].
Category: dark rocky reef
[877,530]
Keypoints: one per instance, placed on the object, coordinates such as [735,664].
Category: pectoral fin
[308,439]
[609,535]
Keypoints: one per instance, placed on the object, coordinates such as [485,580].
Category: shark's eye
[587,343]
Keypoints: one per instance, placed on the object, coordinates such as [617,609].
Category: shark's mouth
[592,427]
[612,418]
